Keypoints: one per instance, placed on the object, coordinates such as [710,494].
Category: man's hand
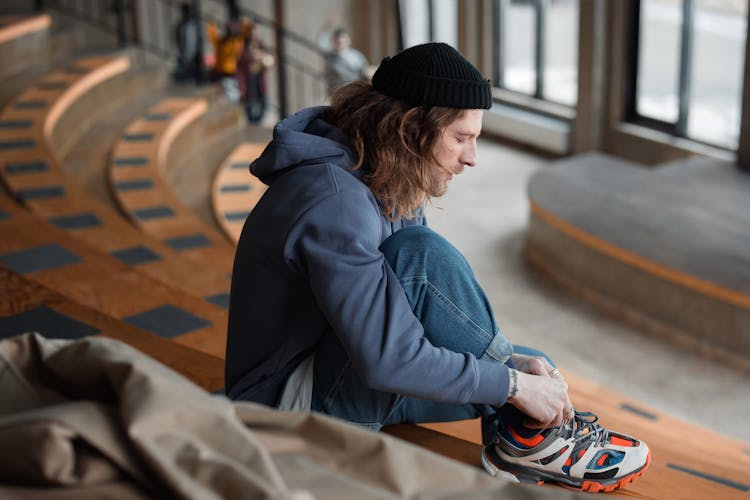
[542,393]
[535,365]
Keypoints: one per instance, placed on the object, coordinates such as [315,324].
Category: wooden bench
[29,306]
[33,173]
[48,256]
[688,461]
[235,190]
[136,174]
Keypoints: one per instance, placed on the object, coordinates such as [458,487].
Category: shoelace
[583,426]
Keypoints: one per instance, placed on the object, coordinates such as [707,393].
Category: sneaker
[579,454]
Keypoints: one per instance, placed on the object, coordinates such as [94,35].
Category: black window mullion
[633,77]
[686,62]
[540,6]
[399,25]
[431,20]
[630,91]
[500,11]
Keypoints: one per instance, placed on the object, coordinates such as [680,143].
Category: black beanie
[433,74]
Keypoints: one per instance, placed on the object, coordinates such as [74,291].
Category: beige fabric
[97,418]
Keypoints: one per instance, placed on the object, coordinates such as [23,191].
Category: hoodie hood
[303,138]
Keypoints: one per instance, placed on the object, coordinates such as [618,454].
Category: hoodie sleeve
[366,306]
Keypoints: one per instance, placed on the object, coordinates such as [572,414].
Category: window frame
[678,128]
[534,101]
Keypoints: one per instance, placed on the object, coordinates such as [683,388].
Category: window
[716,74]
[428,21]
[537,48]
[689,70]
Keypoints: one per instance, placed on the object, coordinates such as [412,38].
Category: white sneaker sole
[493,470]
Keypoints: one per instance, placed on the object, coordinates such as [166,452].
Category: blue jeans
[455,313]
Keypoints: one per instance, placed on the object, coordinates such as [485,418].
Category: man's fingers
[555,373]
[569,413]
[547,365]
[542,367]
[535,424]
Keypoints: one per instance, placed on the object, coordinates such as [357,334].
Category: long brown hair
[394,143]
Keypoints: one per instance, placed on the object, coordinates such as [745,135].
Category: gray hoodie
[308,263]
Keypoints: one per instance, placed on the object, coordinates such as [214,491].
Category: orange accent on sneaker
[529,442]
[620,441]
[602,459]
[595,487]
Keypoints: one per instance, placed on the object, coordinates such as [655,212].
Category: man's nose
[470,155]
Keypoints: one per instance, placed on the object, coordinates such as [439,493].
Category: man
[344,302]
[252,68]
[227,49]
[343,63]
[188,38]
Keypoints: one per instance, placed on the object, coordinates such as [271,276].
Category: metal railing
[149,25]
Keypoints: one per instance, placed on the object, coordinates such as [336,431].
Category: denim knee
[444,294]
[420,245]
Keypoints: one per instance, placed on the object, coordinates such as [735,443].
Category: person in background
[188,39]
[255,60]
[343,63]
[344,302]
[233,10]
[227,50]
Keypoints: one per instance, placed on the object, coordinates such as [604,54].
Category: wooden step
[235,190]
[87,157]
[33,174]
[136,174]
[21,36]
[59,49]
[28,306]
[193,161]
[48,256]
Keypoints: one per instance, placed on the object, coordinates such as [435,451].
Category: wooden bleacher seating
[50,257]
[20,35]
[33,174]
[136,175]
[14,27]
[29,306]
[235,190]
[28,52]
[94,248]
[686,457]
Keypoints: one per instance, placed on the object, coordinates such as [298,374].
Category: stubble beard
[438,184]
[440,179]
